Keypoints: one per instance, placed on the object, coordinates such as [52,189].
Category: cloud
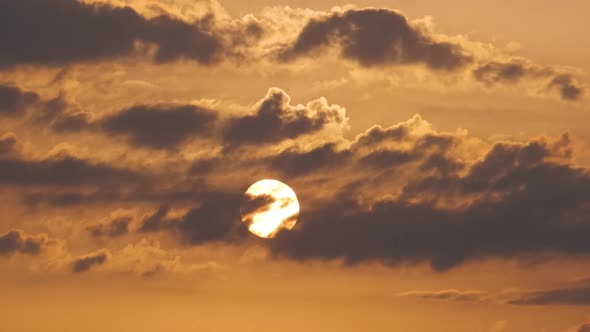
[116,227]
[276,120]
[294,162]
[73,122]
[39,32]
[379,37]
[215,219]
[513,72]
[9,145]
[51,109]
[449,295]
[62,171]
[398,195]
[584,328]
[157,221]
[160,126]
[86,262]
[14,101]
[373,37]
[578,295]
[16,241]
[567,87]
[253,204]
[509,204]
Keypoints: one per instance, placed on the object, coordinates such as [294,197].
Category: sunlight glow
[280,214]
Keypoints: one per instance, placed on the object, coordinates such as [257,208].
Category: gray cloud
[252,204]
[63,171]
[448,295]
[157,221]
[293,162]
[40,32]
[116,227]
[576,295]
[375,37]
[215,219]
[512,72]
[566,86]
[160,126]
[72,122]
[85,263]
[276,120]
[16,241]
[14,101]
[8,145]
[520,199]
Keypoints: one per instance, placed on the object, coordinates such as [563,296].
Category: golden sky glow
[439,151]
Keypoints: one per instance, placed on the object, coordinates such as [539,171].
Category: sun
[269,206]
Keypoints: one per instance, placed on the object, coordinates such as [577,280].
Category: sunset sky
[439,152]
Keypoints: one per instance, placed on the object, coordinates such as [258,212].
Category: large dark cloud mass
[375,37]
[160,126]
[16,241]
[401,194]
[59,32]
[519,203]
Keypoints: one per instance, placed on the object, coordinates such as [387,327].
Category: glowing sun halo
[269,206]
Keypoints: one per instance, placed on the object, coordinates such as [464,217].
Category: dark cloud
[40,32]
[160,126]
[567,87]
[448,295]
[157,221]
[16,241]
[14,101]
[518,199]
[63,171]
[375,37]
[276,120]
[376,136]
[85,263]
[252,204]
[72,122]
[8,145]
[116,227]
[385,159]
[496,72]
[51,109]
[584,328]
[577,295]
[441,164]
[215,219]
[293,162]
[205,165]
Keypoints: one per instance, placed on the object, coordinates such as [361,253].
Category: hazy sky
[439,152]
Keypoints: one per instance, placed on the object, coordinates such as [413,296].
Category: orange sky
[439,152]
